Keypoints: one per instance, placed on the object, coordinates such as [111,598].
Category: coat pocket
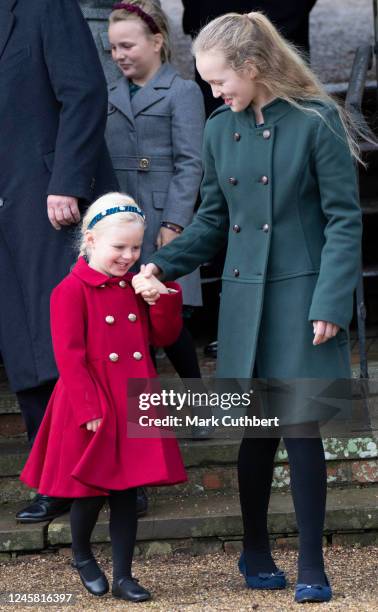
[13,59]
[159,199]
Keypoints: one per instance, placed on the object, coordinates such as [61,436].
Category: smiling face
[114,249]
[238,89]
[135,52]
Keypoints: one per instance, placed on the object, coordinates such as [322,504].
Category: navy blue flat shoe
[262,580]
[305,593]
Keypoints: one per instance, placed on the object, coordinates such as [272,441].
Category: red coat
[67,460]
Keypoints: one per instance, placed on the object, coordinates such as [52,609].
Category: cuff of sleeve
[330,316]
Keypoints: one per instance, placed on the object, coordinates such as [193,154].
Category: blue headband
[112,211]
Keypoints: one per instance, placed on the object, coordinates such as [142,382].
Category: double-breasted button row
[110,320]
[115,357]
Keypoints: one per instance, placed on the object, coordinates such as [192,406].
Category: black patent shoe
[142,502]
[43,508]
[97,587]
[130,590]
[211,350]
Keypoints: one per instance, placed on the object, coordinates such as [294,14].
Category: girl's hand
[323,331]
[93,425]
[148,286]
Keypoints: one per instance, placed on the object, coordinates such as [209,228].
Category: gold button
[137,355]
[266,134]
[132,317]
[109,319]
[144,163]
[265,228]
[113,357]
[122,284]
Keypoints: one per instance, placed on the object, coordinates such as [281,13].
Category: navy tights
[308,485]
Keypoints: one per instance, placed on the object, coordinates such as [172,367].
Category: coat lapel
[119,96]
[154,90]
[6,22]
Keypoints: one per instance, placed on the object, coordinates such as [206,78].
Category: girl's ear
[89,239]
[158,42]
[251,69]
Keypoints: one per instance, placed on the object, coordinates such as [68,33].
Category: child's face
[136,54]
[115,249]
[238,89]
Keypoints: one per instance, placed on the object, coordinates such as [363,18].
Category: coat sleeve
[207,233]
[78,82]
[187,125]
[67,312]
[166,317]
[341,254]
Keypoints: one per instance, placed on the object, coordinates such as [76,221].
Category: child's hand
[148,286]
[93,425]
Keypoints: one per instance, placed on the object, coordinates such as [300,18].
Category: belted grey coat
[155,142]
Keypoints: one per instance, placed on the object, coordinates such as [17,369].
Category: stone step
[349,511]
[211,467]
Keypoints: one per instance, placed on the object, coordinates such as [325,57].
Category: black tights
[122,530]
[308,478]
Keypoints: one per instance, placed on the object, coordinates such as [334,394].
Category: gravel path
[338,27]
[200,584]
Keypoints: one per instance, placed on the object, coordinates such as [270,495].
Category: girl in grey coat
[154,132]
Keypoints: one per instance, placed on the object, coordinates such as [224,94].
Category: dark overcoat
[53,104]
[101,333]
[155,141]
[284,199]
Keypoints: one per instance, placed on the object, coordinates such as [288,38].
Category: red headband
[133,8]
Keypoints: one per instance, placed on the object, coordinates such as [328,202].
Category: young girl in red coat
[101,332]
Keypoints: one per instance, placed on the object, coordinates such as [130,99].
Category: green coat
[284,198]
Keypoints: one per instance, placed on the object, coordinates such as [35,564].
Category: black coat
[289,16]
[53,104]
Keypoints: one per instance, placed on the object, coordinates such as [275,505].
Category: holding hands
[148,285]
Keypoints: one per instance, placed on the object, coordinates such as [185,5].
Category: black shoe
[211,350]
[43,508]
[130,589]
[97,587]
[142,502]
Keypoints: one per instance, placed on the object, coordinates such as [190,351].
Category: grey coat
[155,142]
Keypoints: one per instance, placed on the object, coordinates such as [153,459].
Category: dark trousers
[33,404]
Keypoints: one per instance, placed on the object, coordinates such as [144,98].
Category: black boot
[142,502]
[43,508]
[130,590]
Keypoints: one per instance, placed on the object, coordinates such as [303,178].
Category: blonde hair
[107,201]
[153,10]
[281,69]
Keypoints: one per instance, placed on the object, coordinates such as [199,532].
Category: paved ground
[204,583]
[338,27]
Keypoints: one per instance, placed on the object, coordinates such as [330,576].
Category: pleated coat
[284,199]
[101,334]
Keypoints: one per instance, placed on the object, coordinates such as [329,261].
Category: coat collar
[6,22]
[96,279]
[155,90]
[272,113]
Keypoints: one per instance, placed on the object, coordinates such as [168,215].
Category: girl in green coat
[280,189]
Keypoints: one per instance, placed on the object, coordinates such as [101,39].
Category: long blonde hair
[252,38]
[153,10]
